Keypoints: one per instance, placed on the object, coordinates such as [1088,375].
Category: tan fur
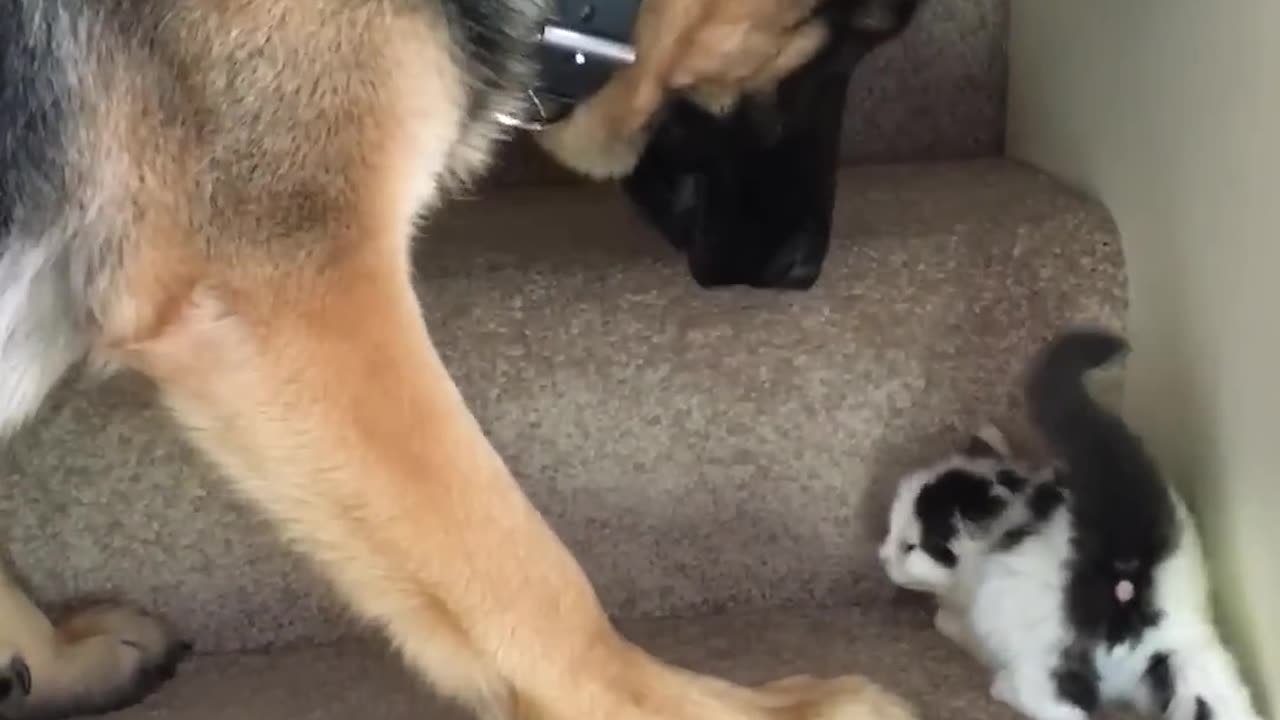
[264,286]
[713,51]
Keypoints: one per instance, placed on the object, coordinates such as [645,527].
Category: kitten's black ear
[940,552]
[988,442]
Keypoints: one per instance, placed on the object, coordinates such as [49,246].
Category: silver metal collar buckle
[535,125]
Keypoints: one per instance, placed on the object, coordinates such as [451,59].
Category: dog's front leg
[321,396]
[326,404]
[604,136]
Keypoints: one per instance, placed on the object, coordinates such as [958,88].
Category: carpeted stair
[717,460]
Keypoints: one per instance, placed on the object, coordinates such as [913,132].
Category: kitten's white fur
[1007,607]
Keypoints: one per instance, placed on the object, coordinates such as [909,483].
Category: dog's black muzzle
[747,197]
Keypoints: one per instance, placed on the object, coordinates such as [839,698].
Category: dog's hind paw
[103,658]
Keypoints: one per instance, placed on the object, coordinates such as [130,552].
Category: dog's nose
[796,265]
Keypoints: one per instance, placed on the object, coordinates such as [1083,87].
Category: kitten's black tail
[1060,405]
[1124,514]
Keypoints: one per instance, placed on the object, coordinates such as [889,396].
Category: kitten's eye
[908,547]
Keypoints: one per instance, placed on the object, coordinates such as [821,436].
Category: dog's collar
[580,46]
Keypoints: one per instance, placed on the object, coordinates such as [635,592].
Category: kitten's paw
[1035,698]
[107,657]
[1002,689]
[954,627]
[949,625]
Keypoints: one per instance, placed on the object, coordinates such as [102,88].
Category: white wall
[1168,111]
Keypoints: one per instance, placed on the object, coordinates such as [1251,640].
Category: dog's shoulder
[263,87]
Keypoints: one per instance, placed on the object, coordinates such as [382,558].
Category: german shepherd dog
[220,195]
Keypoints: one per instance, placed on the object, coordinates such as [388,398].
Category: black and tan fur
[713,54]
[710,51]
[220,195]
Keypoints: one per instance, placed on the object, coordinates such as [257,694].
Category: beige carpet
[699,451]
[358,681]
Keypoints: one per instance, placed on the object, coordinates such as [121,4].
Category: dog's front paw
[851,697]
[148,647]
[15,684]
[102,658]
[584,145]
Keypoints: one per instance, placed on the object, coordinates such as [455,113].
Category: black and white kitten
[1080,584]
